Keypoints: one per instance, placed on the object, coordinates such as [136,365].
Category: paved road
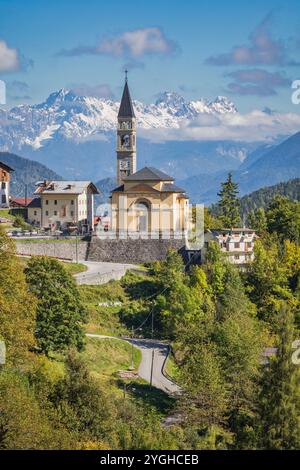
[100,272]
[146,346]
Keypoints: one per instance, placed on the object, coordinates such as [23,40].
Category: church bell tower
[126,136]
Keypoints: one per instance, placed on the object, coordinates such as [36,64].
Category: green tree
[280,397]
[272,276]
[239,340]
[229,204]
[175,302]
[59,310]
[82,405]
[24,422]
[257,220]
[210,221]
[283,217]
[17,305]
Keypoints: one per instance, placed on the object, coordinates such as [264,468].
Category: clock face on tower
[124,165]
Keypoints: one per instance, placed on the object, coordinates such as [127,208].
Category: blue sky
[248,51]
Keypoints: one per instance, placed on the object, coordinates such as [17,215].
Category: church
[146,203]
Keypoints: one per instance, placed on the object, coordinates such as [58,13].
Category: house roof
[65,187]
[229,231]
[126,106]
[149,174]
[6,167]
[21,201]
[35,203]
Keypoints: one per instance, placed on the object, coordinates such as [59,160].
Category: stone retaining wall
[115,251]
[131,251]
[63,250]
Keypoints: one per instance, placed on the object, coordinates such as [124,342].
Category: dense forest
[264,196]
[219,320]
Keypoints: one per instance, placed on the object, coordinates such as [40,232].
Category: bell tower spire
[126,136]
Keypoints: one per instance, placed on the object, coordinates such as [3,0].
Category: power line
[157,294]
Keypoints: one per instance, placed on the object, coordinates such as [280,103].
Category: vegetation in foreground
[61,390]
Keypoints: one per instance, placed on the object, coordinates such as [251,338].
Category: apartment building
[66,203]
[236,243]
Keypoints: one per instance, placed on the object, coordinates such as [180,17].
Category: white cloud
[9,60]
[137,43]
[133,44]
[255,126]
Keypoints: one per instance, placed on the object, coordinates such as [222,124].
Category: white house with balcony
[66,203]
[236,243]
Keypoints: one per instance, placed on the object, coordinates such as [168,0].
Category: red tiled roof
[21,201]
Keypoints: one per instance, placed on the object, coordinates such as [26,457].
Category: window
[34,212]
[3,185]
[3,199]
[72,202]
[236,245]
[72,213]
[55,212]
[47,202]
[47,213]
[55,202]
[236,256]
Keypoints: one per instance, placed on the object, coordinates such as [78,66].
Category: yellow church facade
[146,203]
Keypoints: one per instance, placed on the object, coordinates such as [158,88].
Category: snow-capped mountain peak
[70,115]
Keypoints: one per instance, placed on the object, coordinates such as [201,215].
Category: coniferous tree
[229,204]
[280,397]
[257,220]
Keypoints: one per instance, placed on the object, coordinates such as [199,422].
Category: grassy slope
[104,320]
[6,215]
[72,268]
[105,357]
[171,367]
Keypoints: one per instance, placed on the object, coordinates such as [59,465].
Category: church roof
[126,106]
[149,174]
[171,188]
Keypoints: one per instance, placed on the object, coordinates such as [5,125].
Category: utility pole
[132,352]
[152,356]
[26,193]
[76,245]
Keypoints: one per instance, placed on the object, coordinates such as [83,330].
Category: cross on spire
[126,73]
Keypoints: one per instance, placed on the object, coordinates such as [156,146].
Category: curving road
[161,351]
[102,272]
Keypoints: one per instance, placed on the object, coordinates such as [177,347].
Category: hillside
[280,163]
[265,166]
[263,196]
[26,172]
